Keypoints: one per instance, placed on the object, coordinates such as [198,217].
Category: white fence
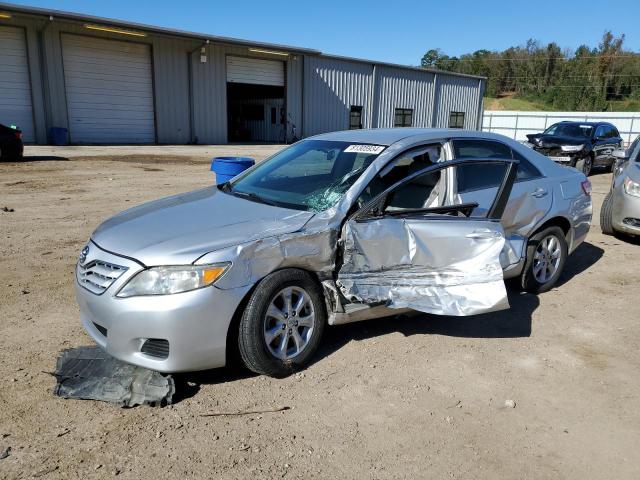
[518,124]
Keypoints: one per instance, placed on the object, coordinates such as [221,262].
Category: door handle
[539,192]
[483,235]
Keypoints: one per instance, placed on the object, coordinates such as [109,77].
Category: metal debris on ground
[89,373]
[5,453]
[248,412]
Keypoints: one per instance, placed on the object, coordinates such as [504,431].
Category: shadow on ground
[37,158]
[630,239]
[512,323]
[585,256]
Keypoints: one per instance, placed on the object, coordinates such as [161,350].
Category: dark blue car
[11,147]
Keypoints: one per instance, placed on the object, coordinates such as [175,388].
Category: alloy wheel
[586,167]
[289,322]
[546,259]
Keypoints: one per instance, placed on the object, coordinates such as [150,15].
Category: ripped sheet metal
[440,267]
[89,373]
[313,250]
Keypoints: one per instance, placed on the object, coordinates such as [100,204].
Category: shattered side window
[424,191]
[400,168]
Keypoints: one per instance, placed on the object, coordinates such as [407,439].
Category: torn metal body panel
[297,210]
[89,373]
[433,267]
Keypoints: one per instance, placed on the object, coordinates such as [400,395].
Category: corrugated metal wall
[172,89]
[294,89]
[397,88]
[190,96]
[331,86]
[457,94]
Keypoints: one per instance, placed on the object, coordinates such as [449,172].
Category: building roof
[79,17]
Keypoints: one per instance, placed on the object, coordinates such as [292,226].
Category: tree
[587,79]
[430,58]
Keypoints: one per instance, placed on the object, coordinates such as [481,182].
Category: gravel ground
[547,389]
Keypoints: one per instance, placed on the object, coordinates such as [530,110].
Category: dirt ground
[395,398]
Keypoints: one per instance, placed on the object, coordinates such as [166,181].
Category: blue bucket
[226,168]
[58,136]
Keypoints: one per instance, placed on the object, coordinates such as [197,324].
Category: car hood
[180,229]
[541,140]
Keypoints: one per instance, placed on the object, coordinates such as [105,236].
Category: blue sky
[396,31]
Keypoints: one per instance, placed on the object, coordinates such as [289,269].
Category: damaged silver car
[337,228]
[620,212]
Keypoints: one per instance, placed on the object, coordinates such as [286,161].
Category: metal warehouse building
[108,82]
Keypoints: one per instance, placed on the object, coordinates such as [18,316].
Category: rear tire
[606,212]
[282,324]
[547,253]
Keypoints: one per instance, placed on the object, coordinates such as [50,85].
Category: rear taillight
[19,135]
[586,187]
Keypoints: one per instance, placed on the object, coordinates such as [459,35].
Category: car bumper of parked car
[561,157]
[168,333]
[626,213]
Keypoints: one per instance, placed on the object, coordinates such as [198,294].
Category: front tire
[282,324]
[585,165]
[606,213]
[547,253]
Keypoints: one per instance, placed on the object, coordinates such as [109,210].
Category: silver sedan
[621,207]
[337,228]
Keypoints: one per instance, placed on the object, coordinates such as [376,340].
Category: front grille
[156,347]
[550,151]
[632,222]
[96,276]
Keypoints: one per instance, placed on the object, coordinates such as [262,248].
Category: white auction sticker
[364,149]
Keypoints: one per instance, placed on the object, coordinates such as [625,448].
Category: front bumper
[194,324]
[563,158]
[625,216]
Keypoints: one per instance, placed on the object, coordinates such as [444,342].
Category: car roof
[591,124]
[389,136]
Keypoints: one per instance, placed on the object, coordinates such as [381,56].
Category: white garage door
[15,85]
[109,90]
[255,71]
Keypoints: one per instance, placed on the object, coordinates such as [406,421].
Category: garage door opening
[256,108]
[256,113]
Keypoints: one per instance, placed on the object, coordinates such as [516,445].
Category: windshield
[570,130]
[310,175]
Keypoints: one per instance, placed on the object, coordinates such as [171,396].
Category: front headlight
[172,279]
[631,187]
[571,148]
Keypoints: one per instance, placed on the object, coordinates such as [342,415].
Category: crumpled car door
[441,260]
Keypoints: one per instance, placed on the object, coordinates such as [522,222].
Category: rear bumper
[194,324]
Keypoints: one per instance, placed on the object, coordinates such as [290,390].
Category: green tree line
[586,79]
